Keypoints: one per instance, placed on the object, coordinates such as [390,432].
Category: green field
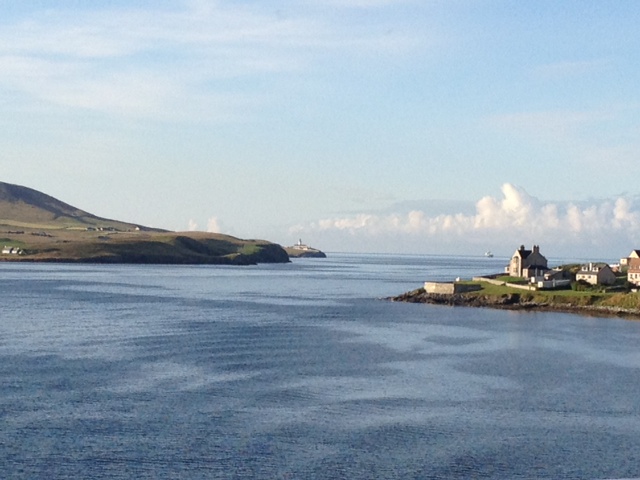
[567,297]
[139,247]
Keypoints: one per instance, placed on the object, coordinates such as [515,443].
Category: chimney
[536,249]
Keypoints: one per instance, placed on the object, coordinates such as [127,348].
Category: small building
[557,273]
[633,271]
[300,246]
[625,260]
[7,250]
[527,263]
[596,274]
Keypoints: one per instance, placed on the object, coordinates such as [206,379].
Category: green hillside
[28,208]
[38,227]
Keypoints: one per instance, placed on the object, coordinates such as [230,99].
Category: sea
[304,371]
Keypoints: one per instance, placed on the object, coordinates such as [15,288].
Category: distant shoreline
[145,247]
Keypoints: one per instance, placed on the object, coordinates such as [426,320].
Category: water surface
[302,371]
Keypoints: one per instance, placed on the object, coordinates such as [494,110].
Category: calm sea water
[301,371]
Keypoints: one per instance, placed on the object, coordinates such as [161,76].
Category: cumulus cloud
[213,225]
[512,218]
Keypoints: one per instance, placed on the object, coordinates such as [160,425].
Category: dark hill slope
[23,206]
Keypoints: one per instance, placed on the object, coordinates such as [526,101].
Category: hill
[26,207]
[38,227]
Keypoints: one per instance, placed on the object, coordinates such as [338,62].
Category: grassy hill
[29,208]
[42,228]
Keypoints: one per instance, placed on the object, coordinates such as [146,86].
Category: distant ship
[488,254]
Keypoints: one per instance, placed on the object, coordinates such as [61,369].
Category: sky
[379,126]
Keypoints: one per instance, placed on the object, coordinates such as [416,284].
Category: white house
[596,274]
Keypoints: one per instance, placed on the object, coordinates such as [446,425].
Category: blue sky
[424,126]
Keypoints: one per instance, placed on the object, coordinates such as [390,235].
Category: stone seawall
[492,281]
[449,288]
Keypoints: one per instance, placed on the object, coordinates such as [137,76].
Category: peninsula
[602,304]
[595,288]
[35,227]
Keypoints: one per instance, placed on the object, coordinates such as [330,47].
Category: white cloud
[159,63]
[213,225]
[511,219]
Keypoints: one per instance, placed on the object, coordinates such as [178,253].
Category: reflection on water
[302,371]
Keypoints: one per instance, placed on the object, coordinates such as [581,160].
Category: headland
[35,227]
[594,304]
[527,283]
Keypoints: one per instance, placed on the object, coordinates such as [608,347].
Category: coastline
[515,301]
[113,247]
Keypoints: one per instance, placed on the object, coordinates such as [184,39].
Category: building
[633,271]
[527,263]
[596,274]
[301,246]
[634,254]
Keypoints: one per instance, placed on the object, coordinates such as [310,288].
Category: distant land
[480,293]
[301,250]
[610,305]
[35,227]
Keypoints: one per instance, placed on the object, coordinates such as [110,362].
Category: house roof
[594,267]
[523,253]
[536,267]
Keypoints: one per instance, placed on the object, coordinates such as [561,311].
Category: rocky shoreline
[513,301]
[311,253]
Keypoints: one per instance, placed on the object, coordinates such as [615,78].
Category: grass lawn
[566,297]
